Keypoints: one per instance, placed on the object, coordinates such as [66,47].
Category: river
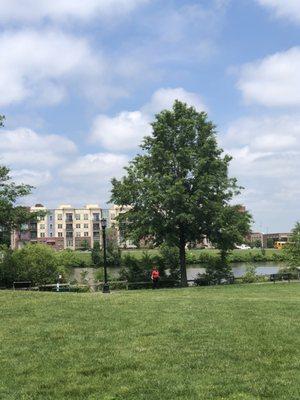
[87,275]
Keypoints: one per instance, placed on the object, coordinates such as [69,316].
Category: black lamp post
[106,285]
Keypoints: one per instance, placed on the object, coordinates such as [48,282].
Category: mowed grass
[240,342]
[138,253]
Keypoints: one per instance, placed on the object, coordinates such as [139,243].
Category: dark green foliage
[134,271]
[113,253]
[96,255]
[168,260]
[178,188]
[85,245]
[216,272]
[139,270]
[35,263]
[292,249]
[70,259]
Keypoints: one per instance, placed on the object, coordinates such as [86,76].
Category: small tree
[292,248]
[178,187]
[229,229]
[96,254]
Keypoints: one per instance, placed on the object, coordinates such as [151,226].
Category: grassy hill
[233,343]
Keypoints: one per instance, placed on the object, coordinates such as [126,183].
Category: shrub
[35,263]
[217,272]
[250,275]
[69,258]
[96,255]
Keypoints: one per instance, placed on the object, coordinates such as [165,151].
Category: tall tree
[178,187]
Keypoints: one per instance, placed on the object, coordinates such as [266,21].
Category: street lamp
[106,285]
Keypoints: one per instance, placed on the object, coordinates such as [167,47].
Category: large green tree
[178,187]
[12,216]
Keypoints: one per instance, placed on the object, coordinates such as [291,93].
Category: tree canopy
[178,187]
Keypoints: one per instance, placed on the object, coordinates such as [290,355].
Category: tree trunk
[182,260]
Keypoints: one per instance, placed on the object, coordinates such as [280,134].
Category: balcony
[96,218]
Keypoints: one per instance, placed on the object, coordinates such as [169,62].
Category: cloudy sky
[80,81]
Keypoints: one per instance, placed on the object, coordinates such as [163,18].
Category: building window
[69,217]
[86,216]
[86,234]
[78,234]
[42,226]
[50,218]
[96,217]
[59,234]
[86,225]
[69,243]
[77,216]
[59,216]
[59,226]
[78,226]
[42,234]
[51,226]
[50,234]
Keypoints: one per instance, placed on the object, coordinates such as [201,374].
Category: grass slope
[233,343]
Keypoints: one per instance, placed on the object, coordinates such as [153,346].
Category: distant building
[114,212]
[65,227]
[268,239]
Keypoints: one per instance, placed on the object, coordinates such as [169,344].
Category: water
[87,275]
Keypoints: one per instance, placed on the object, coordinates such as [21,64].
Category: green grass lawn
[239,342]
[139,252]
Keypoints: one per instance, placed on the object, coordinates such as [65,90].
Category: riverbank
[204,256]
[232,342]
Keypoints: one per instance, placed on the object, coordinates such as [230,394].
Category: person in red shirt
[155,277]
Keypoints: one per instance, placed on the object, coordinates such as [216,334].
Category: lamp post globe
[105,284]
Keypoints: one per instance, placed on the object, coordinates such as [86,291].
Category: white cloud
[164,98]
[122,132]
[32,10]
[283,8]
[87,178]
[43,65]
[23,148]
[32,177]
[125,131]
[95,168]
[266,161]
[272,81]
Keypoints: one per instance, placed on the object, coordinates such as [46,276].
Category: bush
[70,259]
[133,270]
[250,275]
[35,263]
[168,260]
[217,272]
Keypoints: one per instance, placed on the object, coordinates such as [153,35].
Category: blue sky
[80,82]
